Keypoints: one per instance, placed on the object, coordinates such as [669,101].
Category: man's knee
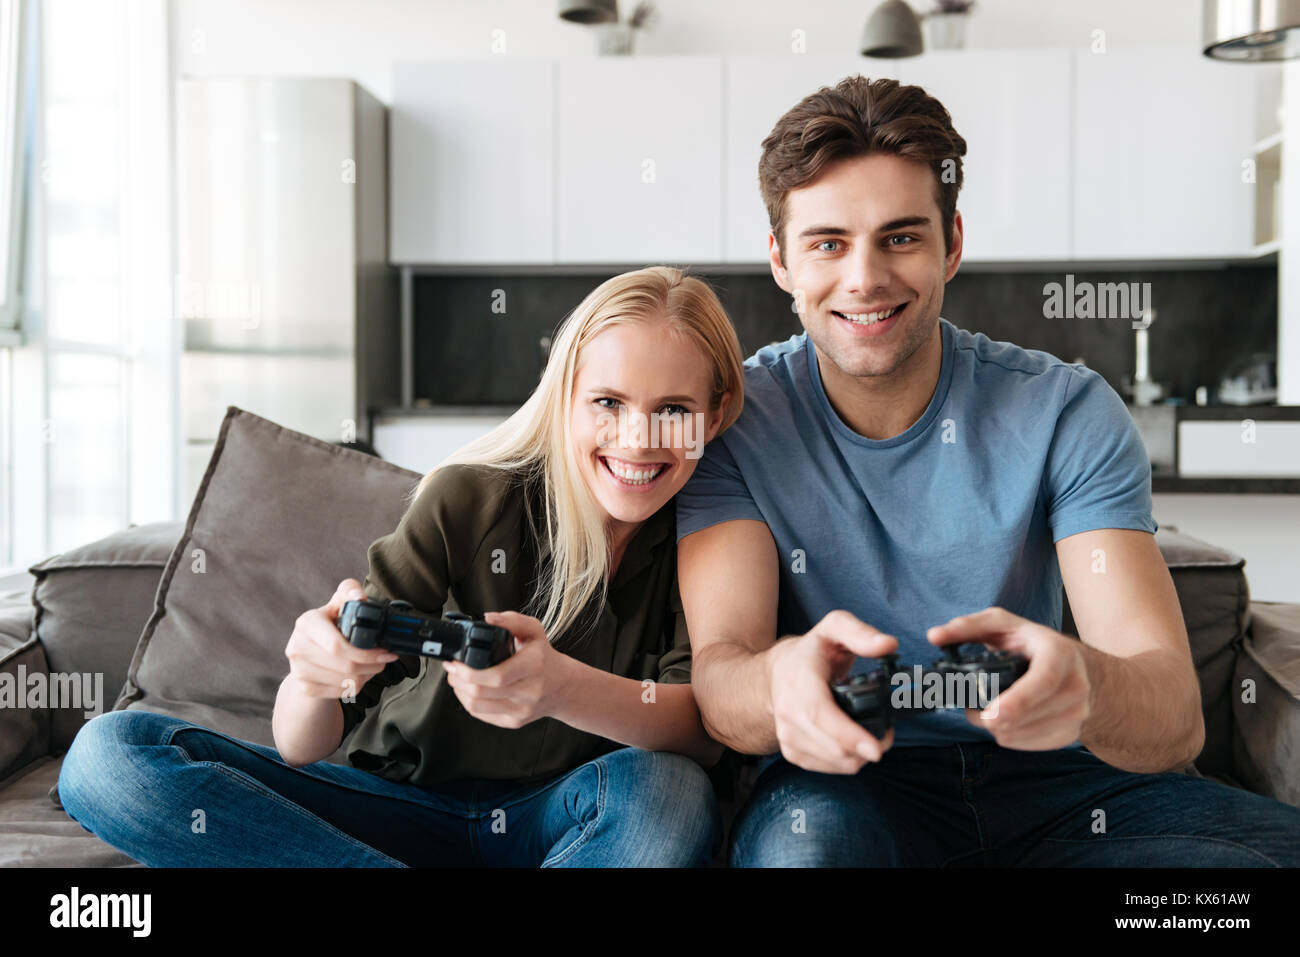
[797,818]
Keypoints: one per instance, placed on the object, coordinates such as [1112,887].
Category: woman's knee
[106,753]
[670,798]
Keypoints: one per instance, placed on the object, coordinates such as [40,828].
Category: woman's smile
[633,476]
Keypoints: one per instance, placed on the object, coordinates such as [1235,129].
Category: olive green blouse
[467,544]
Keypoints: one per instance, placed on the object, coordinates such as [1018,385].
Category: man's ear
[774,261]
[953,260]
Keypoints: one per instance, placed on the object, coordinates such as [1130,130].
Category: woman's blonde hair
[535,440]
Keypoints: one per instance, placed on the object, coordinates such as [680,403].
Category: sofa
[190,618]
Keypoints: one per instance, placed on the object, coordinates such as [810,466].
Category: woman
[585,747]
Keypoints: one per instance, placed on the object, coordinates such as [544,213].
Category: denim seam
[529,792]
[290,805]
[427,805]
[169,736]
[968,799]
[472,821]
[602,775]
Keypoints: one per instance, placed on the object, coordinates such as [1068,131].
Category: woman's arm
[413,563]
[540,682]
[307,722]
[640,714]
[306,729]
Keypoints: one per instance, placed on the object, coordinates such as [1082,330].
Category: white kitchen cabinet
[759,90]
[638,160]
[1012,109]
[1161,138]
[1131,154]
[472,161]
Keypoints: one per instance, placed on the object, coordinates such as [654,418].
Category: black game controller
[397,626]
[868,698]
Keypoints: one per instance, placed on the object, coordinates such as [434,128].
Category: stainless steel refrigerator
[283,289]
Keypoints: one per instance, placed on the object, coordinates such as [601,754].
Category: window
[87,400]
[12,91]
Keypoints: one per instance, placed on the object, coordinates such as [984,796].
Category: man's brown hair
[856,117]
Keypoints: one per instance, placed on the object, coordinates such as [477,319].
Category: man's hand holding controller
[322,662]
[1048,707]
[813,732]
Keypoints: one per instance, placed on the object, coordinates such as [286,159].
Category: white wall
[1288,260]
[360,38]
[1263,529]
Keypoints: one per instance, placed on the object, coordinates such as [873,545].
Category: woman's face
[641,417]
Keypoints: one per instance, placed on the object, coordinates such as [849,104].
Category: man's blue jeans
[174,794]
[974,804]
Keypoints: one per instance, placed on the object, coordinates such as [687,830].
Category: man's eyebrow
[905,223]
[823,231]
[614,393]
[902,223]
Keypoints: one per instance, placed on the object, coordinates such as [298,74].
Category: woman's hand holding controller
[321,661]
[530,684]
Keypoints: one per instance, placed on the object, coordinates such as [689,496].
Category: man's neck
[881,407]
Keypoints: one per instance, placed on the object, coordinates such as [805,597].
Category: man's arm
[1145,698]
[1127,690]
[758,695]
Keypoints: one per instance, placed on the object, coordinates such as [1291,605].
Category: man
[897,484]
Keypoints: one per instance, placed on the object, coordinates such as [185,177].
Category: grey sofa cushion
[1266,703]
[280,518]
[24,729]
[1215,599]
[1212,590]
[36,833]
[90,606]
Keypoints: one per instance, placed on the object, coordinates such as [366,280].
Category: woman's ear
[715,416]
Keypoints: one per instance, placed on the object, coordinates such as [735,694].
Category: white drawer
[420,442]
[1239,448]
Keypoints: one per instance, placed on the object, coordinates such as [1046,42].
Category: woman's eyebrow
[605,390]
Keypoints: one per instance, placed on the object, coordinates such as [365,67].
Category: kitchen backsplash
[477,336]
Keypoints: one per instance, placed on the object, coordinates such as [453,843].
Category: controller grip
[478,658]
[364,638]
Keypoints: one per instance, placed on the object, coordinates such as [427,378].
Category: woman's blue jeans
[170,793]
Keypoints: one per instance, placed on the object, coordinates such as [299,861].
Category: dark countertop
[1162,481]
[1235,413]
[1203,485]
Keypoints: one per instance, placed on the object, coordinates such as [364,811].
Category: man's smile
[873,323]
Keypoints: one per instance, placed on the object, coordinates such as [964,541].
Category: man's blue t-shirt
[1015,451]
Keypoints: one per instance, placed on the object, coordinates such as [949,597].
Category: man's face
[866,263]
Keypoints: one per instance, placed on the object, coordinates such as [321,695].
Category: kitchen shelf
[1268,185]
[1268,143]
[1174,485]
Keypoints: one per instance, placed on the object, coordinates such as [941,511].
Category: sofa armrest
[91,604]
[24,718]
[1266,703]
